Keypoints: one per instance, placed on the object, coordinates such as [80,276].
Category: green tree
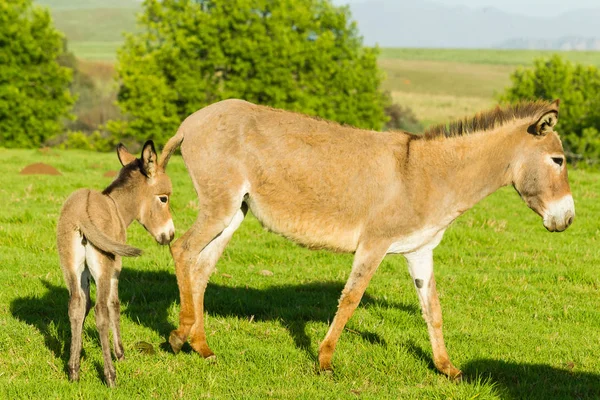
[578,88]
[34,88]
[300,55]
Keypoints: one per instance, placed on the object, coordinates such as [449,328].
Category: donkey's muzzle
[166,238]
[560,214]
[167,233]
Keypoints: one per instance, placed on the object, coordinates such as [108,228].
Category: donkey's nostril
[171,235]
[570,220]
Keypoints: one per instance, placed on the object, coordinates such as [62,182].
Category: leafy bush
[34,88]
[300,55]
[578,88]
[402,118]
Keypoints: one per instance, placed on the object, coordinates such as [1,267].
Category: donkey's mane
[487,120]
[124,176]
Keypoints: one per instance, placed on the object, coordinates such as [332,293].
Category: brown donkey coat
[329,186]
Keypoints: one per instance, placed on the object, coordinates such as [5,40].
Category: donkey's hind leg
[196,254]
[77,278]
[102,269]
[114,311]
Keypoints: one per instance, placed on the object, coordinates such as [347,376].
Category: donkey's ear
[149,159]
[125,157]
[546,123]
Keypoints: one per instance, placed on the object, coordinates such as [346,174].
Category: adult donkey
[324,185]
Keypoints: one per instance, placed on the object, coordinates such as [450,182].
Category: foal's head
[147,189]
[540,174]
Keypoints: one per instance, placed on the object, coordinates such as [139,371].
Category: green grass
[520,305]
[95,51]
[487,56]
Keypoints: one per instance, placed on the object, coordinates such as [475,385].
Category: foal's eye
[558,160]
[163,199]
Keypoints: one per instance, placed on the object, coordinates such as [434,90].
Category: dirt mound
[110,174]
[39,169]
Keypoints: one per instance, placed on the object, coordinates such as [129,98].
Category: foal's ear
[125,157]
[546,123]
[149,159]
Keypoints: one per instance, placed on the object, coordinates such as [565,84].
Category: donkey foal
[91,234]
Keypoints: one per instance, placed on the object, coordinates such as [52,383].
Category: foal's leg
[102,269]
[366,260]
[114,311]
[196,254]
[72,260]
[420,265]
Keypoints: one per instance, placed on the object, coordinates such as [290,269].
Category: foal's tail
[170,148]
[104,243]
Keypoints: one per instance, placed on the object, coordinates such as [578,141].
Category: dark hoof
[175,342]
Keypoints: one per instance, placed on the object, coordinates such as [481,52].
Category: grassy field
[487,56]
[444,84]
[520,305]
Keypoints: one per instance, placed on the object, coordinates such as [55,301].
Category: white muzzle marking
[166,233]
[559,214]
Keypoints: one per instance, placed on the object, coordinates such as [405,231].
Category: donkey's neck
[126,205]
[460,171]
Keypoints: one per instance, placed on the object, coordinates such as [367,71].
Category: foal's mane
[487,120]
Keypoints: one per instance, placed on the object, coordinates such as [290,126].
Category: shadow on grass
[148,296]
[524,381]
[539,381]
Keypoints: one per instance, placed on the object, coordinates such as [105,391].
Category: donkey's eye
[163,199]
[558,160]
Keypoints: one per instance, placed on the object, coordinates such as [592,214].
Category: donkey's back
[316,182]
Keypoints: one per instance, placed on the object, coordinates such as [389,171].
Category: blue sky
[543,8]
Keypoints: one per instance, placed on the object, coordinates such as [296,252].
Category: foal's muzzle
[166,234]
[559,214]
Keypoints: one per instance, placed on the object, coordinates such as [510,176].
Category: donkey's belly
[309,228]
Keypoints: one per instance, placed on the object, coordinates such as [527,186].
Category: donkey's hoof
[325,367]
[175,342]
[456,375]
[212,359]
[73,376]
[110,377]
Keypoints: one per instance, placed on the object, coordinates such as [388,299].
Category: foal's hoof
[110,378]
[73,376]
[175,342]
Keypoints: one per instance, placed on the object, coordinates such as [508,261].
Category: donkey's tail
[104,243]
[170,148]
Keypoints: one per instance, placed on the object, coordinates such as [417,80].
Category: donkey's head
[540,174]
[148,189]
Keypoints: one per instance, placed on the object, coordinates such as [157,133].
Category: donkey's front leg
[366,260]
[420,265]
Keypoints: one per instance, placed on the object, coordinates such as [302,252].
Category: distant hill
[99,24]
[423,23]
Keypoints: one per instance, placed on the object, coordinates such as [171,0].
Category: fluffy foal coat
[91,236]
[369,193]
